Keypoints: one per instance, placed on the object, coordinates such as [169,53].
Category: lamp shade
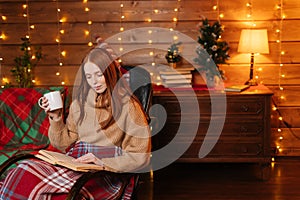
[254,41]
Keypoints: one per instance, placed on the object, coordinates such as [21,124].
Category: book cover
[175,81]
[236,88]
[56,158]
[176,76]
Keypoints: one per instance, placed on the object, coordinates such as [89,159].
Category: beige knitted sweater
[130,132]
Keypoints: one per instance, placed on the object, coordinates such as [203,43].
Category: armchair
[140,82]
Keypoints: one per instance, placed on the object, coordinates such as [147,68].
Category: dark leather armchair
[140,83]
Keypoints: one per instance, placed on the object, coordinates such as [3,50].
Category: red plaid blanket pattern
[82,148]
[38,180]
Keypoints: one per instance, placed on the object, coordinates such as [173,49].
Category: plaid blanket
[23,124]
[53,182]
[81,148]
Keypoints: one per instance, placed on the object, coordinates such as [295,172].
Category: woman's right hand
[55,114]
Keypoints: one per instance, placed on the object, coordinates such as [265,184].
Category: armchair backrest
[140,84]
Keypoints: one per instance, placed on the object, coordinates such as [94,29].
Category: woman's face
[95,77]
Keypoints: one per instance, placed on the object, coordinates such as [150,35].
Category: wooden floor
[222,181]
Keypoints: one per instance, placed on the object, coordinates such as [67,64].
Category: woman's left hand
[89,158]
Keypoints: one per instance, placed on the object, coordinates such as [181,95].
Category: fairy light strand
[60,31]
[279,9]
[120,39]
[90,22]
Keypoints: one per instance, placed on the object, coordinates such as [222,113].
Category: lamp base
[251,82]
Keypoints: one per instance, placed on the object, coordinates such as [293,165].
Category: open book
[61,159]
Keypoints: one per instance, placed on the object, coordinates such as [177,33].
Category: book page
[57,158]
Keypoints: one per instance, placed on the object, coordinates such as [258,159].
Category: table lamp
[253,41]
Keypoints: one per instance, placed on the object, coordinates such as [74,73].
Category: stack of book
[178,77]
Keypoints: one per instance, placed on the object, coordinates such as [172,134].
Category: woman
[104,113]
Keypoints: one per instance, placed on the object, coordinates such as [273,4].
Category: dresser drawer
[227,149]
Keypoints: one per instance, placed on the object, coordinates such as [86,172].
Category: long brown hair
[117,87]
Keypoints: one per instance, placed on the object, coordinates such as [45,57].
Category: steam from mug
[54,100]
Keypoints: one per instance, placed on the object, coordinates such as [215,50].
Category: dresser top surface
[202,90]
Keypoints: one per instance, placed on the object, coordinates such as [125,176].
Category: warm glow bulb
[58,10]
[282,75]
[175,37]
[248,4]
[274,108]
[176,9]
[149,20]
[57,73]
[62,31]
[90,44]
[62,82]
[282,52]
[57,40]
[24,15]
[121,28]
[149,41]
[3,36]
[33,57]
[279,130]
[174,19]
[280,118]
[151,53]
[277,41]
[121,49]
[85,1]
[121,5]
[90,22]
[4,18]
[60,64]
[215,7]
[119,38]
[24,6]
[278,7]
[86,9]
[149,31]
[86,32]
[221,15]
[62,20]
[32,27]
[64,53]
[280,138]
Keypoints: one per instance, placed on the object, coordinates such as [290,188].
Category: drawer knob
[245,108]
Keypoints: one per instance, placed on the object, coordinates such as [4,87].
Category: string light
[60,31]
[121,29]
[87,33]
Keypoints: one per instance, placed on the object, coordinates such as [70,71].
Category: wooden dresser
[228,126]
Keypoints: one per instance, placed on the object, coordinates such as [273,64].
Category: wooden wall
[106,22]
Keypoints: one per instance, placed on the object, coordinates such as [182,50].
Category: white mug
[54,100]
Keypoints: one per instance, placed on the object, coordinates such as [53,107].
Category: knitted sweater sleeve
[136,143]
[62,135]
